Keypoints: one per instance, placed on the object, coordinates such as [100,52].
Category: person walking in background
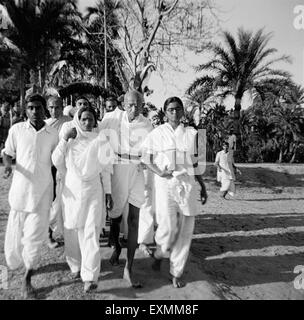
[5,123]
[232,141]
[83,155]
[55,107]
[226,170]
[170,152]
[57,119]
[31,193]
[111,104]
[16,114]
[81,101]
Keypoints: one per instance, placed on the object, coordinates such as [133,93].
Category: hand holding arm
[70,134]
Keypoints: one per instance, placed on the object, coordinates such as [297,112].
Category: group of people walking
[121,167]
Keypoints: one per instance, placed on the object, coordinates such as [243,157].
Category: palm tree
[239,65]
[215,122]
[287,121]
[98,45]
[38,27]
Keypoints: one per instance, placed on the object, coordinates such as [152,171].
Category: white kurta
[226,176]
[56,222]
[126,139]
[175,198]
[31,192]
[57,123]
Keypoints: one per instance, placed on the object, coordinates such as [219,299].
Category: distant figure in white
[226,170]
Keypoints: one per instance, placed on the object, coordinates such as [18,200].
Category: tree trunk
[22,92]
[293,158]
[236,126]
[236,116]
[280,156]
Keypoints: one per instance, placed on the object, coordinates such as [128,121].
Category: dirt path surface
[243,248]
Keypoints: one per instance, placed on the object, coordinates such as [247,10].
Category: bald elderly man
[126,131]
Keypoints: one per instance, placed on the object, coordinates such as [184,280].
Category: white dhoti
[82,251]
[127,187]
[25,235]
[147,211]
[227,183]
[174,233]
[56,219]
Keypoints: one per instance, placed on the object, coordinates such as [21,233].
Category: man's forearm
[218,165]
[7,160]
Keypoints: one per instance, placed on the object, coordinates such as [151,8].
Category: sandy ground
[243,248]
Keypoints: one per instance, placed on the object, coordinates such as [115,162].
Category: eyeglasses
[131,105]
[172,110]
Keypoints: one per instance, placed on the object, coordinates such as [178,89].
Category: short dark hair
[83,98]
[36,97]
[225,143]
[171,100]
[88,109]
[111,98]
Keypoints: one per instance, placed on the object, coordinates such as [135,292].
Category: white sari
[84,158]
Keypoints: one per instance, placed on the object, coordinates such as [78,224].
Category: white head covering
[80,132]
[91,152]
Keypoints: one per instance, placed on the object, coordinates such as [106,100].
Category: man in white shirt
[31,193]
[226,170]
[55,107]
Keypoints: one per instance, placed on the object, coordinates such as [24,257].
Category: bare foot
[177,282]
[114,260]
[89,286]
[53,244]
[145,249]
[27,290]
[132,283]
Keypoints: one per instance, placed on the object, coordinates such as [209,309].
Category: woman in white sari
[86,158]
[170,152]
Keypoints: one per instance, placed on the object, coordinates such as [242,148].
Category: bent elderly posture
[85,156]
[170,151]
[126,131]
[31,193]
